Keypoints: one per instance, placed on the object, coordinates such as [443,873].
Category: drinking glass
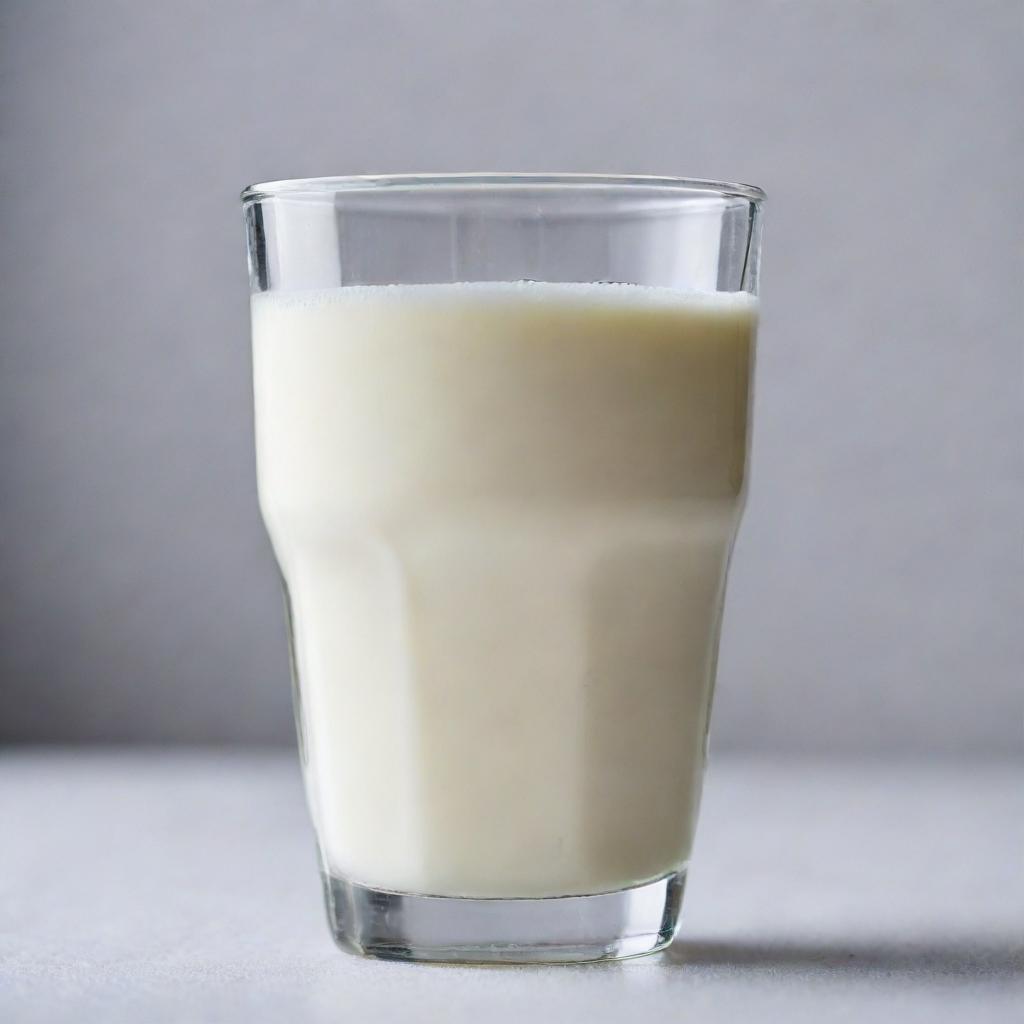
[501,431]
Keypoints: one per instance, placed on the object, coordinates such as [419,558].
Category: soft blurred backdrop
[877,592]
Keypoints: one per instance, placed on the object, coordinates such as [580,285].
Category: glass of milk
[501,431]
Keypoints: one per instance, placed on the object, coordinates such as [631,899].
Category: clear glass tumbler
[501,435]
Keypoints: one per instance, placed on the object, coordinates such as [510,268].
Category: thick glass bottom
[561,929]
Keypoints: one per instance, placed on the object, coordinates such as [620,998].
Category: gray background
[876,599]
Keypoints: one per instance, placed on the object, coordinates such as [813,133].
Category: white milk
[503,514]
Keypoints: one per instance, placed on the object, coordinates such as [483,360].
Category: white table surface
[182,886]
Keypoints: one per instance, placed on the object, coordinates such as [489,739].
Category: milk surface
[503,513]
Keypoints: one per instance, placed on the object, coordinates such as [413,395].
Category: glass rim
[628,184]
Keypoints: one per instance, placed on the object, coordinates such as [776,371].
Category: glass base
[561,929]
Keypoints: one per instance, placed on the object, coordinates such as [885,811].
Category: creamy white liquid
[503,513]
